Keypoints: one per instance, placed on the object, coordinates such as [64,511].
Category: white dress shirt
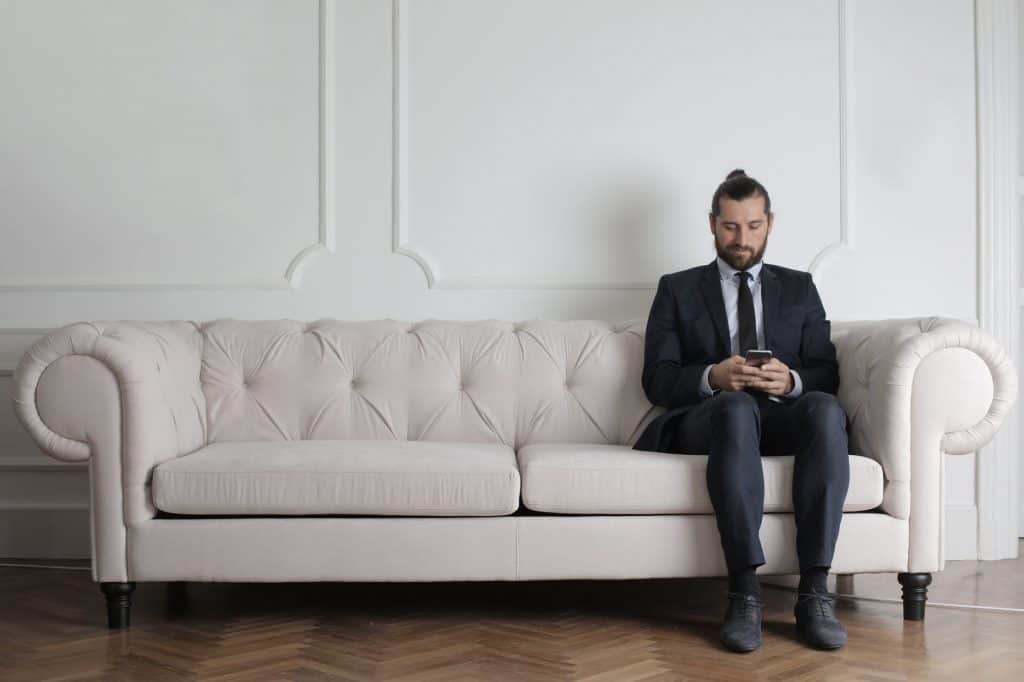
[730,294]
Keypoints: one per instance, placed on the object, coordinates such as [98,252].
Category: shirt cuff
[798,386]
[705,385]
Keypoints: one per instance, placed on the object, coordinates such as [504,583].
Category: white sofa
[465,450]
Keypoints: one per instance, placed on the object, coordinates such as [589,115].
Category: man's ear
[711,221]
[771,221]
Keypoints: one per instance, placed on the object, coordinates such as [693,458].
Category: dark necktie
[745,307]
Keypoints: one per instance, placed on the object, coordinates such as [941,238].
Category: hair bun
[735,173]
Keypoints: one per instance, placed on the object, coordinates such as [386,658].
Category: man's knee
[735,407]
[735,401]
[820,411]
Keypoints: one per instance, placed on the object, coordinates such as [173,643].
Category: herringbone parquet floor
[52,627]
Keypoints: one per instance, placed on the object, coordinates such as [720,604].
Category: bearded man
[702,324]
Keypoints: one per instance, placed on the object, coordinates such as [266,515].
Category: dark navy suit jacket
[687,330]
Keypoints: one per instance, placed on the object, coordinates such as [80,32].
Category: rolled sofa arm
[125,395]
[156,365]
[126,392]
[914,389]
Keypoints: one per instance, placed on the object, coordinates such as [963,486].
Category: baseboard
[44,533]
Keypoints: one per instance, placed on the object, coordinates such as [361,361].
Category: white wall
[1020,256]
[542,158]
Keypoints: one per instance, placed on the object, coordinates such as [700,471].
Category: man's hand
[732,374]
[772,377]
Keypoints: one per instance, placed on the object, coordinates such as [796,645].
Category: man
[702,323]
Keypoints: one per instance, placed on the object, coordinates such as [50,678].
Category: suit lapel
[769,303]
[711,289]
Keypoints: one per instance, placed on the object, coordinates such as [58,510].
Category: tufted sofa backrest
[491,381]
[475,381]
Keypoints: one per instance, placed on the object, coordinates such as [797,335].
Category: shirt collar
[727,272]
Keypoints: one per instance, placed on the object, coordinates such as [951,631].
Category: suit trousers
[737,428]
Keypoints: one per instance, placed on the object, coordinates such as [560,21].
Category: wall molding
[846,234]
[20,331]
[38,463]
[44,506]
[293,273]
[402,243]
[997,66]
[325,149]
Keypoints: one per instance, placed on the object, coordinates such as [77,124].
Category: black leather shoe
[741,630]
[816,621]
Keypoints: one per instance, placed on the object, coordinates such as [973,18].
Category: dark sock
[814,580]
[745,581]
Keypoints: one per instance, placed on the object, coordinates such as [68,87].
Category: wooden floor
[52,627]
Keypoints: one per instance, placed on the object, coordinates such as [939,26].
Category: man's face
[741,231]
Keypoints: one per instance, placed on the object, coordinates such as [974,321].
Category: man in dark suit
[702,323]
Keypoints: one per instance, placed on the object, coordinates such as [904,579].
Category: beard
[741,259]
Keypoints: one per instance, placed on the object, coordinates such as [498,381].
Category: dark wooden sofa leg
[119,604]
[915,594]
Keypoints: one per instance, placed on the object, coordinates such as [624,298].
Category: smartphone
[756,358]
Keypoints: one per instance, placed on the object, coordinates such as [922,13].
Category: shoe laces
[745,602]
[825,602]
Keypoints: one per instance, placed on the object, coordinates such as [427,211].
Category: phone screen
[756,358]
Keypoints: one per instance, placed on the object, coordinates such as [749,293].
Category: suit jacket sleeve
[818,370]
[667,382]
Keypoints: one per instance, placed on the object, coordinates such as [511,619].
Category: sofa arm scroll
[156,367]
[879,363]
[124,395]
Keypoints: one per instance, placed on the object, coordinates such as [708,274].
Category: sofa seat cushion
[372,477]
[615,479]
